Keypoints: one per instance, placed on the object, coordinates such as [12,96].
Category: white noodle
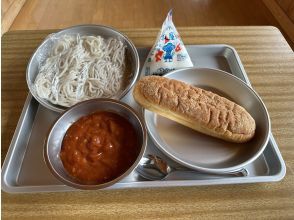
[81,67]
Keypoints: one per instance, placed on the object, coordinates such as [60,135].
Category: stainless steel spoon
[153,167]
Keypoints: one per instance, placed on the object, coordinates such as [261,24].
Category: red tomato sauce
[99,147]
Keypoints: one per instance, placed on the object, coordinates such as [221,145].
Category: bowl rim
[231,169]
[59,108]
[106,184]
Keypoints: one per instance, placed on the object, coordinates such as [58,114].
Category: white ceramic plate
[201,152]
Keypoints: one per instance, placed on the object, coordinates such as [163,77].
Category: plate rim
[234,168]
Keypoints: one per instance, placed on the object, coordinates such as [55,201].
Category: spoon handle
[238,173]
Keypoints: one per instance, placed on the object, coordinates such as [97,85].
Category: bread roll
[196,108]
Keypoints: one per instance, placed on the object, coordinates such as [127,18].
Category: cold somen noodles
[81,67]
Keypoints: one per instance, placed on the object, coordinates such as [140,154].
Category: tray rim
[143,184]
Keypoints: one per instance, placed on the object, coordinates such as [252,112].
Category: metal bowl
[106,32]
[54,139]
[202,152]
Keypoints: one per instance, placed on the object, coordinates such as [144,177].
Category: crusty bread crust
[196,108]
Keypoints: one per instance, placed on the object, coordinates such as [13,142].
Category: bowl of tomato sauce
[95,144]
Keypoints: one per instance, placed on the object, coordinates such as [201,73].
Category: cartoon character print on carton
[169,52]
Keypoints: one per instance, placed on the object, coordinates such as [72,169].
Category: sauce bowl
[58,130]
